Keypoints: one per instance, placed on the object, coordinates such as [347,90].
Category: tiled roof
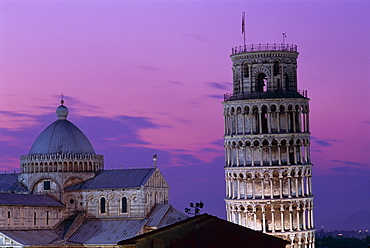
[106,231]
[9,182]
[157,214]
[28,200]
[62,136]
[116,179]
[32,237]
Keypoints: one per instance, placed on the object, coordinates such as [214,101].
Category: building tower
[267,145]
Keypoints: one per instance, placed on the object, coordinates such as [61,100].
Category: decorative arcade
[267,145]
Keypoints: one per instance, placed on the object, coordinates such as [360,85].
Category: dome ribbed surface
[62,136]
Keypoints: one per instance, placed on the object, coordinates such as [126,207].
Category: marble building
[63,195]
[267,145]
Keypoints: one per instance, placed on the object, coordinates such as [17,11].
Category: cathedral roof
[107,231]
[61,136]
[9,182]
[116,179]
[32,237]
[28,200]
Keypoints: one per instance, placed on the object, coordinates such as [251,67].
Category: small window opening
[261,83]
[46,185]
[102,205]
[124,205]
[34,218]
[47,218]
[276,68]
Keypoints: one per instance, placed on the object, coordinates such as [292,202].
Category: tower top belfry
[265,70]
[267,144]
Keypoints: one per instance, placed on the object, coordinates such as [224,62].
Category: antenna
[284,36]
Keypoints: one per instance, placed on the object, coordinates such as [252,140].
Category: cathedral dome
[61,136]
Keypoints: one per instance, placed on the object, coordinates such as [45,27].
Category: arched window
[102,205]
[124,205]
[276,68]
[261,83]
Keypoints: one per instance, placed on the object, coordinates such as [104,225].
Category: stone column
[262,187]
[279,153]
[263,219]
[304,217]
[251,123]
[290,218]
[261,155]
[273,218]
[308,217]
[296,185]
[246,218]
[244,123]
[260,121]
[237,154]
[252,154]
[286,121]
[270,155]
[289,187]
[311,215]
[253,188]
[269,121]
[295,153]
[278,120]
[271,191]
[255,218]
[282,218]
[302,185]
[308,121]
[225,124]
[307,187]
[281,186]
[238,188]
[245,188]
[298,223]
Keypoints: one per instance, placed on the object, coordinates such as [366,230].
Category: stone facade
[63,194]
[267,145]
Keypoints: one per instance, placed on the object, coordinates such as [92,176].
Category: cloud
[219,86]
[350,170]
[175,82]
[347,162]
[326,142]
[197,37]
[323,143]
[221,97]
[148,68]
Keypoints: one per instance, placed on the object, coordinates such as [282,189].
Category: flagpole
[243,28]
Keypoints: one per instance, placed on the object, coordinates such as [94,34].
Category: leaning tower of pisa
[267,145]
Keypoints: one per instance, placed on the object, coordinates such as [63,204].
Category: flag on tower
[243,17]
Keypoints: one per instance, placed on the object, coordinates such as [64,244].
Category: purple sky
[148,77]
